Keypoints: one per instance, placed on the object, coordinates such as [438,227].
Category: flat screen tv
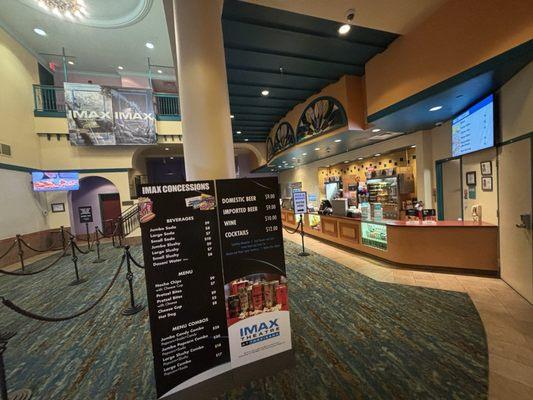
[54,181]
[473,129]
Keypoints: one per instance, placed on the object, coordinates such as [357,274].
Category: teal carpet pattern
[353,337]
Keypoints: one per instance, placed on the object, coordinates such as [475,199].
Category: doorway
[110,210]
[449,187]
[515,207]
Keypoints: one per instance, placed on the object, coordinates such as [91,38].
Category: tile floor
[507,317]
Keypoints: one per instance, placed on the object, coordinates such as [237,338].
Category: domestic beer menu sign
[215,276]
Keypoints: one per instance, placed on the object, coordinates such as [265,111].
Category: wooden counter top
[469,245]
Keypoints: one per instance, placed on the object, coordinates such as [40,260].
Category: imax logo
[84,114]
[259,328]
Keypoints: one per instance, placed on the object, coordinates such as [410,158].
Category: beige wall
[458,36]
[18,72]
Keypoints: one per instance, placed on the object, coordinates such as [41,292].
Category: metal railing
[50,100]
[123,225]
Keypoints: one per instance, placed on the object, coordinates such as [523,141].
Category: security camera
[350,15]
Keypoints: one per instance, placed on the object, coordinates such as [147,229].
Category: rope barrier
[80,250]
[38,251]
[9,249]
[34,272]
[295,229]
[134,261]
[8,303]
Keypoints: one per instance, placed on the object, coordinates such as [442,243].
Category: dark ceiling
[291,55]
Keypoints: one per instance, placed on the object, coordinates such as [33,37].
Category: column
[203,90]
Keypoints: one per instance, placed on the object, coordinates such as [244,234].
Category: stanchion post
[97,242]
[88,236]
[75,262]
[133,308]
[63,243]
[20,252]
[22,394]
[303,253]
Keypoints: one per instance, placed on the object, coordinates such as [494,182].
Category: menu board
[254,269]
[215,277]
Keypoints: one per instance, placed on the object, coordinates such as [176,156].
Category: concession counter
[445,244]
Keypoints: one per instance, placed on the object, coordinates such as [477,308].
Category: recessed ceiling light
[337,140]
[327,166]
[120,67]
[245,140]
[344,29]
[70,62]
[294,158]
[413,146]
[265,92]
[360,158]
[239,132]
[304,154]
[167,149]
[39,31]
[317,148]
[436,108]
[171,158]
[377,154]
[346,162]
[376,130]
[232,116]
[149,45]
[159,71]
[438,123]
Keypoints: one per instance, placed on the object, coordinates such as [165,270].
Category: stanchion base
[21,394]
[303,254]
[77,282]
[99,260]
[133,310]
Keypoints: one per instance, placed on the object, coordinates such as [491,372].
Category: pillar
[203,90]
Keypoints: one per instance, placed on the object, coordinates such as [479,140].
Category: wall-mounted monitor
[54,181]
[473,129]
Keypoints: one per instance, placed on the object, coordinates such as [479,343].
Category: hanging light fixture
[64,8]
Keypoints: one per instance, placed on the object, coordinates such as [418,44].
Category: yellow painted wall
[18,72]
[458,36]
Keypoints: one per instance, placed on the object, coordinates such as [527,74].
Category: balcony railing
[50,102]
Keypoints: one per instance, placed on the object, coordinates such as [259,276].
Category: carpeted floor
[354,338]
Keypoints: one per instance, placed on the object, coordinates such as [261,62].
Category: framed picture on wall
[486,168]
[58,207]
[486,183]
[471,178]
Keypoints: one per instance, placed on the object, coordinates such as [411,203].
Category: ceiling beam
[277,72]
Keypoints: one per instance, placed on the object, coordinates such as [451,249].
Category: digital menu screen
[473,130]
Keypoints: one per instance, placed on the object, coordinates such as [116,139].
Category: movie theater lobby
[266,199]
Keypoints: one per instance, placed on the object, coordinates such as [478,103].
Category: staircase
[123,225]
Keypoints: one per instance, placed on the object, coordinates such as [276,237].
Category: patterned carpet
[354,338]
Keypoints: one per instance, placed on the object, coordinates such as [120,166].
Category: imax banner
[102,115]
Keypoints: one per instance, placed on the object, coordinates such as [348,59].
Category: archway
[98,199]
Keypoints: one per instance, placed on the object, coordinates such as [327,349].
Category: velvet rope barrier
[12,273]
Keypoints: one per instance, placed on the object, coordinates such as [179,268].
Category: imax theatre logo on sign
[85,114]
[259,332]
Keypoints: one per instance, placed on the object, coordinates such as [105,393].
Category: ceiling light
[337,140]
[245,140]
[294,158]
[232,116]
[304,154]
[413,146]
[159,71]
[376,130]
[360,158]
[167,149]
[438,123]
[346,162]
[239,132]
[149,45]
[377,154]
[64,8]
[39,31]
[344,29]
[436,108]
[317,148]
[120,67]
[265,92]
[70,62]
[171,158]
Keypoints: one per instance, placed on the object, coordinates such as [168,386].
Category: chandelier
[65,8]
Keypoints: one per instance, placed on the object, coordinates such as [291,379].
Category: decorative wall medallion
[284,136]
[322,115]
[270,148]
